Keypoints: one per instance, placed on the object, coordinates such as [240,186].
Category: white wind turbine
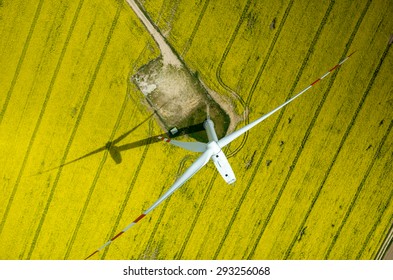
[211,150]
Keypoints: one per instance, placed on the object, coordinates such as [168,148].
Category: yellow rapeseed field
[314,181]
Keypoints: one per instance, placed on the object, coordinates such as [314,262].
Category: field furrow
[334,164]
[270,139]
[94,183]
[21,57]
[196,217]
[352,226]
[46,97]
[261,69]
[80,158]
[195,28]
[209,42]
[357,193]
[115,227]
[314,119]
[72,136]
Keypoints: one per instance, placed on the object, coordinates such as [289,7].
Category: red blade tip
[91,255]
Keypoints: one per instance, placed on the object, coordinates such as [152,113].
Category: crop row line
[310,127]
[158,222]
[195,29]
[228,48]
[162,9]
[359,189]
[185,50]
[249,98]
[245,104]
[197,215]
[271,135]
[129,191]
[79,118]
[86,204]
[221,62]
[343,140]
[37,125]
[214,176]
[262,68]
[20,63]
[97,175]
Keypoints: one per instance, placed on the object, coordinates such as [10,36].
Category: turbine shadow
[150,140]
[115,150]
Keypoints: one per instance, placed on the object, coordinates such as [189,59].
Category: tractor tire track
[20,63]
[196,218]
[156,225]
[222,60]
[195,29]
[271,135]
[136,65]
[214,177]
[212,181]
[182,163]
[358,191]
[342,142]
[260,72]
[226,51]
[79,118]
[246,103]
[97,175]
[270,50]
[39,120]
[317,112]
[159,17]
[129,191]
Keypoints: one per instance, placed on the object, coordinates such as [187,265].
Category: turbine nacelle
[223,167]
[221,162]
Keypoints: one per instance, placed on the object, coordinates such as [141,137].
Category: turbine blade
[194,168]
[229,138]
[190,146]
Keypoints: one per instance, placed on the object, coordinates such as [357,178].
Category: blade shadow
[115,150]
[153,139]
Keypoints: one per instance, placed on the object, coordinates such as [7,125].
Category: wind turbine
[211,150]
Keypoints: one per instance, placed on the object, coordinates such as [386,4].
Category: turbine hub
[213,146]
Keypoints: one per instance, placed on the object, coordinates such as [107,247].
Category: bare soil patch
[179,98]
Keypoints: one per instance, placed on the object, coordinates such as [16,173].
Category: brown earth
[178,97]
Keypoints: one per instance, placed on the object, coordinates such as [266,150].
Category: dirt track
[169,57]
[180,92]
